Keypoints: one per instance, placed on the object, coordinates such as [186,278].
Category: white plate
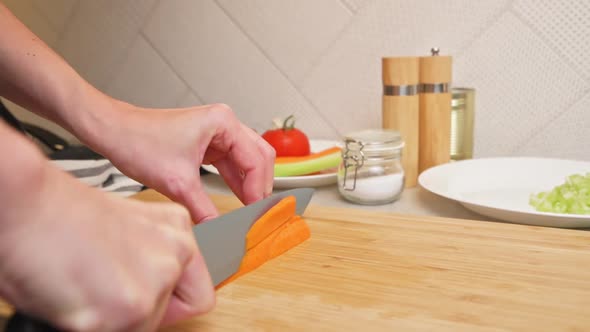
[318,180]
[500,187]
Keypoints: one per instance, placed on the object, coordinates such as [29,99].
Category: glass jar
[371,172]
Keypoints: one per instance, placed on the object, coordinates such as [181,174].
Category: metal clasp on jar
[352,158]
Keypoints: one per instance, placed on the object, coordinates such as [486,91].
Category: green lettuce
[571,197]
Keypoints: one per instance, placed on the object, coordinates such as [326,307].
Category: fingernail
[205,219]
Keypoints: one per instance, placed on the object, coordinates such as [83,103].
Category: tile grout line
[348,6]
[485,27]
[187,91]
[509,9]
[126,53]
[539,130]
[285,76]
[174,71]
[570,65]
[318,60]
[187,87]
[556,50]
[149,15]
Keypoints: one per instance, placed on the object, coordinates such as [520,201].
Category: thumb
[199,204]
[194,293]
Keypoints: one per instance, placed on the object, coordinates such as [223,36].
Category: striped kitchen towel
[100,173]
[80,161]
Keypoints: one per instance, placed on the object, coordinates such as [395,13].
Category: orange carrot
[270,221]
[325,152]
[294,232]
[289,235]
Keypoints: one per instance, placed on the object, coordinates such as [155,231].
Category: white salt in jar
[371,172]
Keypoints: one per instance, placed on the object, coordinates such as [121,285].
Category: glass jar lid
[375,142]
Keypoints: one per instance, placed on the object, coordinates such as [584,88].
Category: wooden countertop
[415,200]
[371,271]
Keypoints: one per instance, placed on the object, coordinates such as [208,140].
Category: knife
[222,242]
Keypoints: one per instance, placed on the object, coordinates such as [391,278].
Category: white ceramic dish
[302,181]
[500,187]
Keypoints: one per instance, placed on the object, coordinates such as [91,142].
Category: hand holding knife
[222,242]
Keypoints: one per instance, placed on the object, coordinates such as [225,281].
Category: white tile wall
[57,12]
[525,95]
[189,99]
[99,34]
[222,64]
[301,30]
[320,60]
[563,25]
[346,83]
[157,87]
[354,5]
[570,127]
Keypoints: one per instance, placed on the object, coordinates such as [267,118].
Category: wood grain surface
[434,121]
[435,113]
[401,112]
[382,272]
[375,271]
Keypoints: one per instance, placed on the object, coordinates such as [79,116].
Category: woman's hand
[85,260]
[164,148]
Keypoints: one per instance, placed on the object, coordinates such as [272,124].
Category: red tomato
[288,141]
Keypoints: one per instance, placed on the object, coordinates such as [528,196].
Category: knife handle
[20,322]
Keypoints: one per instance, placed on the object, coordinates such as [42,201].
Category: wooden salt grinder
[435,110]
[400,108]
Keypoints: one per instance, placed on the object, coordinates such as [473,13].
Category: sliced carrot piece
[325,152]
[293,233]
[270,221]
[289,235]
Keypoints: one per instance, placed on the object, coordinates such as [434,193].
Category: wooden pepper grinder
[400,108]
[435,110]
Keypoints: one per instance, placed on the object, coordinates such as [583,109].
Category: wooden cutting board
[364,271]
[376,271]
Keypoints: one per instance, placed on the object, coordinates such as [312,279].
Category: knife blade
[222,242]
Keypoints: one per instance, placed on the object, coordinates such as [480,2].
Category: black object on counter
[23,323]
